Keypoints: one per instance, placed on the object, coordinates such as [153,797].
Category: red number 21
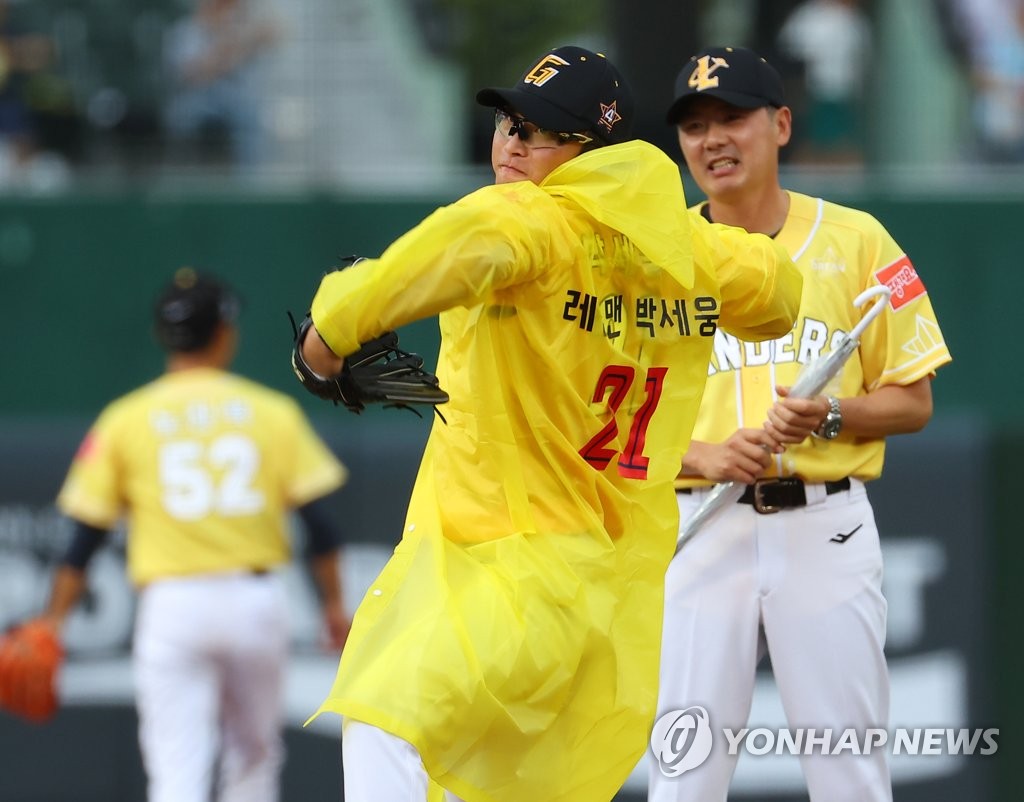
[618,379]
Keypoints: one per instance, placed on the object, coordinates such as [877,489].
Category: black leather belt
[771,495]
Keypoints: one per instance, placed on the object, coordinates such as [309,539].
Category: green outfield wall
[77,276]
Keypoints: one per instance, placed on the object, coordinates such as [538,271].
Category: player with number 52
[204,466]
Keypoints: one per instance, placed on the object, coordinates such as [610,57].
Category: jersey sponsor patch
[87,447]
[902,279]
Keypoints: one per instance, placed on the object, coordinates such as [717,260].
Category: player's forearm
[326,573]
[893,409]
[68,587]
[319,356]
[693,459]
[327,570]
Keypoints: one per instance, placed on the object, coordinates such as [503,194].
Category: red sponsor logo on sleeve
[87,447]
[901,278]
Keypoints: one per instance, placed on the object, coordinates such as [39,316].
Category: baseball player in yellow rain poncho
[511,643]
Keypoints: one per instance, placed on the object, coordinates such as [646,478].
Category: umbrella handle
[882,292]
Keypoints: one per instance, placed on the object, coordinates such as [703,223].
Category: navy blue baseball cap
[736,75]
[570,90]
[189,309]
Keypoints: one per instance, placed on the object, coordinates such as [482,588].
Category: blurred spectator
[994,34]
[213,60]
[23,164]
[832,40]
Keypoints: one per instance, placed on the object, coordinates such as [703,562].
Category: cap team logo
[545,70]
[903,280]
[703,77]
[681,740]
[609,115]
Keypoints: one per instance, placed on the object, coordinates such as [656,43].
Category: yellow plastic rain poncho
[513,637]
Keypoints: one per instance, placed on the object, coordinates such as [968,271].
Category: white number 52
[200,479]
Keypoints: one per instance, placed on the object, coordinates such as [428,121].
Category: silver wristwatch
[833,422]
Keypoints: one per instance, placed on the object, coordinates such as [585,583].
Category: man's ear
[783,125]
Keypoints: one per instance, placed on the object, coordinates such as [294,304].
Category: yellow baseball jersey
[841,252]
[205,466]
[514,636]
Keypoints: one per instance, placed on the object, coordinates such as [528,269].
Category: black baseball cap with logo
[736,75]
[189,309]
[570,90]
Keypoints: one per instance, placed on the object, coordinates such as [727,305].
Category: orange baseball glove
[30,656]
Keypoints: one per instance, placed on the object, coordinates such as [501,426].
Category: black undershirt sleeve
[323,533]
[85,540]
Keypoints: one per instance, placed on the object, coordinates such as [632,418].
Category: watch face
[831,428]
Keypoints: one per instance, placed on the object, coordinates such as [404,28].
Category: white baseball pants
[803,584]
[210,654]
[381,767]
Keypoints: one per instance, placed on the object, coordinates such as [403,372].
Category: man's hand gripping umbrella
[810,383]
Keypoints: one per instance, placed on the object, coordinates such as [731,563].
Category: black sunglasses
[509,126]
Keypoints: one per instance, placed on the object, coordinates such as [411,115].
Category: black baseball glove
[378,373]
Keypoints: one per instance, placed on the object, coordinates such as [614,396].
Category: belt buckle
[759,504]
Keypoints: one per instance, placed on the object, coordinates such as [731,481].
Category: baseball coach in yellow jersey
[205,466]
[795,568]
[509,649]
